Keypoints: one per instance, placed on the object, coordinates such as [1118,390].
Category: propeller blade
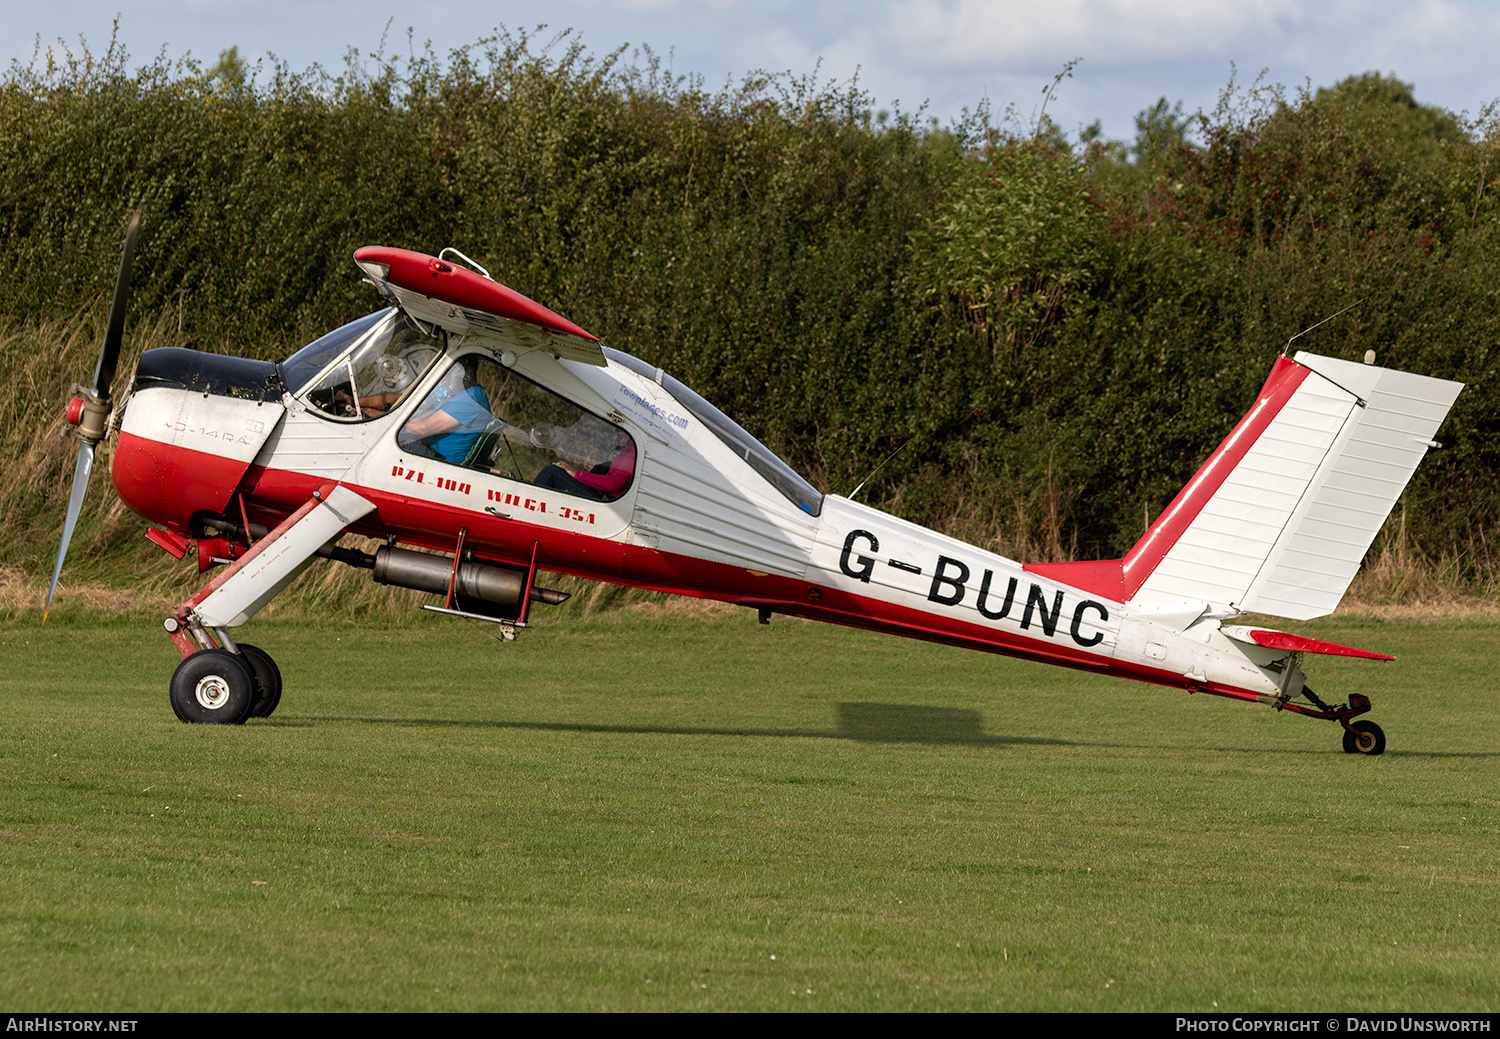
[75,506]
[109,353]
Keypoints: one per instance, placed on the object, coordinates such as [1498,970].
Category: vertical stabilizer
[1280,516]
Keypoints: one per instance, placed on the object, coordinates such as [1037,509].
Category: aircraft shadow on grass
[911,723]
[864,722]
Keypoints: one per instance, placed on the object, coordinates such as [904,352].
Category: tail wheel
[212,686]
[1364,738]
[267,679]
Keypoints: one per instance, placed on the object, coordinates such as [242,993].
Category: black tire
[266,678]
[1367,738]
[214,687]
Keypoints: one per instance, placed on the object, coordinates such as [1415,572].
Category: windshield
[780,475]
[366,380]
[298,370]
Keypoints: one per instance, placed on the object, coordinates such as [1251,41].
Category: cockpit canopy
[366,368]
[362,370]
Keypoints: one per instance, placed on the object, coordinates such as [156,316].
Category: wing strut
[271,564]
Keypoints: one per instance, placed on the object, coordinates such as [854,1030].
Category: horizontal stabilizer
[1296,643]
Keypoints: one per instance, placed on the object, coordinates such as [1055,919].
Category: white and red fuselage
[1265,525]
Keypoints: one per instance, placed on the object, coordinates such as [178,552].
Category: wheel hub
[212,692]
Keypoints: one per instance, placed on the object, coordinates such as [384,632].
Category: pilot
[452,417]
[602,482]
[395,375]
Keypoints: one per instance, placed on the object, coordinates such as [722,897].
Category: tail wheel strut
[1360,737]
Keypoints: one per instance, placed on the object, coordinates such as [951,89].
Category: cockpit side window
[483,416]
[760,458]
[375,374]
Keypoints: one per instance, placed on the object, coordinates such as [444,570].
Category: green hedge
[1050,337]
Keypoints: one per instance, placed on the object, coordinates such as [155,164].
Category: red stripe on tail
[1121,579]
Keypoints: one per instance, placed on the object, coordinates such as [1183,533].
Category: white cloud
[951,53]
[658,6]
[1018,35]
[1445,47]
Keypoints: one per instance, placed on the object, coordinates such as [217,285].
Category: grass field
[650,811]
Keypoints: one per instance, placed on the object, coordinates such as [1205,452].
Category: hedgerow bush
[1044,337]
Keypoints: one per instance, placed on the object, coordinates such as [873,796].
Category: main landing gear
[224,685]
[267,678]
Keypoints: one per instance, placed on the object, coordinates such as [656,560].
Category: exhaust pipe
[486,588]
[491,589]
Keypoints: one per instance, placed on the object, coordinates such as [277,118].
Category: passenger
[452,417]
[601,483]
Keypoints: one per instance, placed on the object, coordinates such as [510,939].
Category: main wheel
[266,678]
[213,686]
[1367,738]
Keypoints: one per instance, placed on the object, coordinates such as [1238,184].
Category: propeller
[88,413]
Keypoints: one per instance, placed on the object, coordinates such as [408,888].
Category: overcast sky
[948,54]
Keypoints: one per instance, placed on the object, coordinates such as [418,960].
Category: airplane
[485,439]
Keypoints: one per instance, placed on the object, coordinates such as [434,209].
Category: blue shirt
[472,410]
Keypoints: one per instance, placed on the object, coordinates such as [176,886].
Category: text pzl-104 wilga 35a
[484,438]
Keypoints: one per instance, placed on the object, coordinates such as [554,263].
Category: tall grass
[112,569]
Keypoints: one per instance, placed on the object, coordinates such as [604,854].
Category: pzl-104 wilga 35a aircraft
[485,439]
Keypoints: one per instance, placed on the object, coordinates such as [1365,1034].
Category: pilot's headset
[471,369]
[395,373]
[449,386]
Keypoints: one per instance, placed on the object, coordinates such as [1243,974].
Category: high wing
[445,294]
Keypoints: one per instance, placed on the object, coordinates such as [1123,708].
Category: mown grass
[640,810]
